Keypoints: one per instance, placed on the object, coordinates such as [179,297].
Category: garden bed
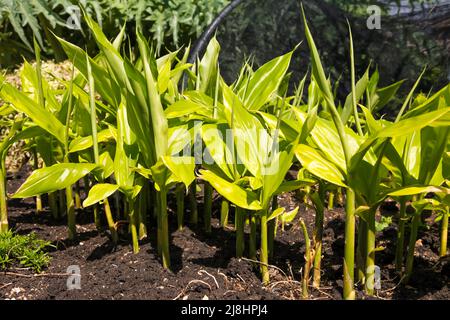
[203,266]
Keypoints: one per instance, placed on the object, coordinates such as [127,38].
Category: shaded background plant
[169,24]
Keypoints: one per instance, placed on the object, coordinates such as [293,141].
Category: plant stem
[158,224]
[62,208]
[117,206]
[264,257]
[308,256]
[77,195]
[96,213]
[110,220]
[224,210]
[361,250]
[52,204]
[180,206]
[36,166]
[370,252]
[349,250]
[239,226]
[340,197]
[252,239]
[207,203]
[193,202]
[318,235]
[444,233]
[134,225]
[331,200]
[142,216]
[86,186]
[3,203]
[400,236]
[163,228]
[72,229]
[412,244]
[271,227]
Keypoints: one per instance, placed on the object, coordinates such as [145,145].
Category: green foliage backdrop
[170,23]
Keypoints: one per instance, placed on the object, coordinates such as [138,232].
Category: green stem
[134,225]
[318,235]
[400,236]
[117,205]
[193,203]
[272,228]
[142,216]
[370,252]
[340,196]
[307,268]
[207,203]
[264,256]
[3,203]
[110,220]
[163,229]
[444,233]
[97,220]
[349,250]
[158,224]
[86,186]
[412,244]
[77,195]
[331,200]
[180,206]
[62,207]
[72,229]
[224,210]
[36,166]
[53,205]
[361,250]
[252,239]
[240,225]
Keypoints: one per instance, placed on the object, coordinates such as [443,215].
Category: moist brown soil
[203,266]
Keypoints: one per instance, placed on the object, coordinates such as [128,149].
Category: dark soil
[203,266]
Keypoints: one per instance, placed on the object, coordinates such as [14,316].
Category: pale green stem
[164,229]
[36,166]
[3,203]
[224,210]
[193,203]
[331,200]
[264,254]
[207,203]
[72,229]
[318,234]
[252,239]
[134,225]
[349,250]
[308,262]
[361,250]
[180,206]
[370,252]
[77,196]
[412,244]
[240,225]
[110,220]
[400,237]
[444,233]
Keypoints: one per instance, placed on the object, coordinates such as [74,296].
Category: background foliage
[170,23]
[413,34]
